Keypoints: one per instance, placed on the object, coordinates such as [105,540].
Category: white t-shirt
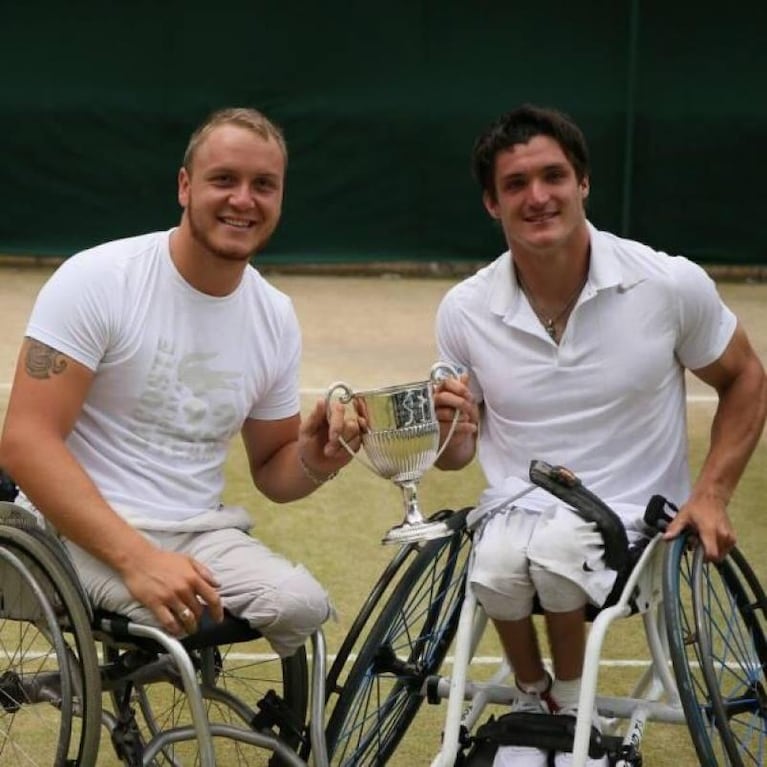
[177,372]
[608,402]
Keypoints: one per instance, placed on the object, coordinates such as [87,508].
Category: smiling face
[538,198]
[232,193]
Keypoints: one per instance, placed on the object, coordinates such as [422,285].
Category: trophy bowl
[400,437]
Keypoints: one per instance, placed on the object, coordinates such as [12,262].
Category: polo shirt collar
[504,289]
[605,271]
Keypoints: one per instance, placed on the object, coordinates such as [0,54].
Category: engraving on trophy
[411,407]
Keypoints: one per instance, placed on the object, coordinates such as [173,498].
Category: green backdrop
[380,103]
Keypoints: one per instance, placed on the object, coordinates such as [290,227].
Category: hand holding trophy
[400,435]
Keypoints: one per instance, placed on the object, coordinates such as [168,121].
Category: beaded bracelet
[312,475]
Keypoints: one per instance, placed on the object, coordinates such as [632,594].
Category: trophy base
[412,532]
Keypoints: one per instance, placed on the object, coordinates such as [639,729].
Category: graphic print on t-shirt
[188,405]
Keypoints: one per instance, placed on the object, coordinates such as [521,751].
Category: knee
[556,593]
[501,582]
[301,606]
[508,604]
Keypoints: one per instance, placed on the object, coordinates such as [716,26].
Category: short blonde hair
[251,119]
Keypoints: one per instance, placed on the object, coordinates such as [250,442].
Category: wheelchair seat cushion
[209,633]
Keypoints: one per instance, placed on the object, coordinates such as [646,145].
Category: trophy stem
[414,527]
[413,514]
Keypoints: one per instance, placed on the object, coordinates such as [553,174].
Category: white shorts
[514,541]
[281,599]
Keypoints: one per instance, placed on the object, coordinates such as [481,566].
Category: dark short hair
[518,127]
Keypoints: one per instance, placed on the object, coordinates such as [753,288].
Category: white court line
[480,660]
[312,392]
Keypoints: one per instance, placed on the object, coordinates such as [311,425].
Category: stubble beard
[201,238]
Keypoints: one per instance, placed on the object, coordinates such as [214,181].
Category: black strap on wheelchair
[659,512]
[549,732]
[566,486]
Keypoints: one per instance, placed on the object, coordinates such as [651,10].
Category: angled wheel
[371,610]
[50,695]
[407,643]
[729,606]
[243,685]
[716,624]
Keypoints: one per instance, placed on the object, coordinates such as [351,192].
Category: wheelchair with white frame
[704,624]
[219,697]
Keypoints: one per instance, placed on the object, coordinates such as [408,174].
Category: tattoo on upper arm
[43,361]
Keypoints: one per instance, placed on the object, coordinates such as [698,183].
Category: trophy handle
[439,372]
[345,397]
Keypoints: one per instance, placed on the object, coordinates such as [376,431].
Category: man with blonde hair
[143,358]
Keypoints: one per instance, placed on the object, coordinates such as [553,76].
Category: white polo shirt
[608,401]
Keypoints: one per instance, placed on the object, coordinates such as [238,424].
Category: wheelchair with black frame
[68,675]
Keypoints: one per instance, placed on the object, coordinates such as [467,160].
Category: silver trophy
[400,435]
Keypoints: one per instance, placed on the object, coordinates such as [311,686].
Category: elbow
[24,446]
[267,489]
[759,390]
[10,451]
[762,399]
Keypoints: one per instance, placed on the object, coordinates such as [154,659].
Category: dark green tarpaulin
[380,103]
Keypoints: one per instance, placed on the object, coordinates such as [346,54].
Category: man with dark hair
[575,344]
[143,358]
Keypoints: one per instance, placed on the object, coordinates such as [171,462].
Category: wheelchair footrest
[127,741]
[549,732]
[274,712]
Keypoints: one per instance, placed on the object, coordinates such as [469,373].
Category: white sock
[535,688]
[566,693]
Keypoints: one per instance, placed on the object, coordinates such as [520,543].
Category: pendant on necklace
[548,326]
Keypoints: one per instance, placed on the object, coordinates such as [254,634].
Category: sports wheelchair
[704,624]
[67,674]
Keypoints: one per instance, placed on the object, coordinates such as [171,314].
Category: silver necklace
[550,323]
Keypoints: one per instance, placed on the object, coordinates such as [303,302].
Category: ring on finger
[186,614]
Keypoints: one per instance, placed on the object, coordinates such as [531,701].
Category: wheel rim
[732,657]
[36,699]
[241,674]
[711,617]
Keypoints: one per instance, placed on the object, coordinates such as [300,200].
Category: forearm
[735,432]
[458,452]
[60,488]
[289,475]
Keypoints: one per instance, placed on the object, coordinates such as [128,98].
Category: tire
[715,616]
[406,644]
[50,691]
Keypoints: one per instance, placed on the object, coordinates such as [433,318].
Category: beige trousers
[281,599]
